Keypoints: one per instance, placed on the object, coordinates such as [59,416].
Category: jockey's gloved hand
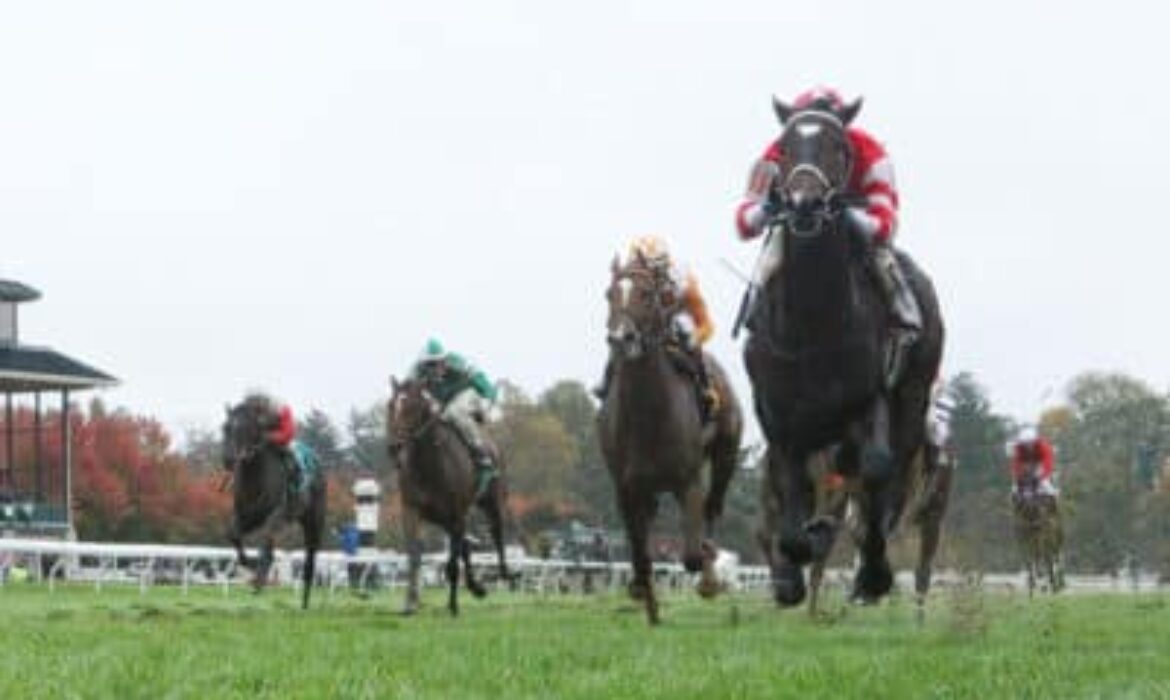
[771,205]
[858,220]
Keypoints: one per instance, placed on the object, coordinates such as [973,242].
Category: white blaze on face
[625,290]
[808,130]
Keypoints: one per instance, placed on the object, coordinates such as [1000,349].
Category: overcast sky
[222,195]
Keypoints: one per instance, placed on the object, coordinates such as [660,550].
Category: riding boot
[769,263]
[485,468]
[903,305]
[708,396]
[294,473]
[603,388]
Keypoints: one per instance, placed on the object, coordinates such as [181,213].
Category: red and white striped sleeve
[750,215]
[873,175]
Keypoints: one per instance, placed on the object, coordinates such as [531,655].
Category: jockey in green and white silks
[464,393]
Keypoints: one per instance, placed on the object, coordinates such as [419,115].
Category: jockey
[875,218]
[1032,459]
[280,428]
[461,390]
[693,327]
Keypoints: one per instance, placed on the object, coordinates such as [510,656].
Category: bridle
[628,333]
[800,217]
[241,454]
[407,434]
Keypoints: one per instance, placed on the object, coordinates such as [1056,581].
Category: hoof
[637,591]
[872,583]
[796,548]
[478,591]
[709,588]
[788,585]
[652,613]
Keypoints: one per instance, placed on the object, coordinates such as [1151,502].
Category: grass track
[117,643]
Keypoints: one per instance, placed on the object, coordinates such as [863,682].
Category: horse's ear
[641,258]
[394,385]
[615,266]
[849,112]
[782,109]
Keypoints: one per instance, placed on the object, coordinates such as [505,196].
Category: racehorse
[437,480]
[1039,534]
[262,499]
[817,360]
[651,427]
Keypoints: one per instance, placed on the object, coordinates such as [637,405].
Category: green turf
[117,643]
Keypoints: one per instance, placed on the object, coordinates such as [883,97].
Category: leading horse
[437,480]
[652,431]
[261,496]
[816,357]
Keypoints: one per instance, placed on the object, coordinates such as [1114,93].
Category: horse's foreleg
[236,537]
[311,525]
[636,514]
[793,493]
[264,565]
[454,549]
[410,527]
[473,585]
[698,556]
[880,506]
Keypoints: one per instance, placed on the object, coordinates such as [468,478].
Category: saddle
[304,468]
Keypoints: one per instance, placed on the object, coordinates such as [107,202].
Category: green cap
[432,351]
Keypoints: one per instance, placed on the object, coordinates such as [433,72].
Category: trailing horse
[263,501]
[652,433]
[1040,536]
[819,365]
[437,480]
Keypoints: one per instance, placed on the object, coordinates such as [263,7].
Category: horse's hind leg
[930,516]
[724,461]
[493,509]
[473,585]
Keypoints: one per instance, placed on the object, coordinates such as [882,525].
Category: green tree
[366,432]
[571,403]
[319,433]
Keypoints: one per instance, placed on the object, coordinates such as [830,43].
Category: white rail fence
[146,565]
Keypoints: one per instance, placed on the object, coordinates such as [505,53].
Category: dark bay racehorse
[262,502]
[817,358]
[651,429]
[1039,535]
[437,482]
